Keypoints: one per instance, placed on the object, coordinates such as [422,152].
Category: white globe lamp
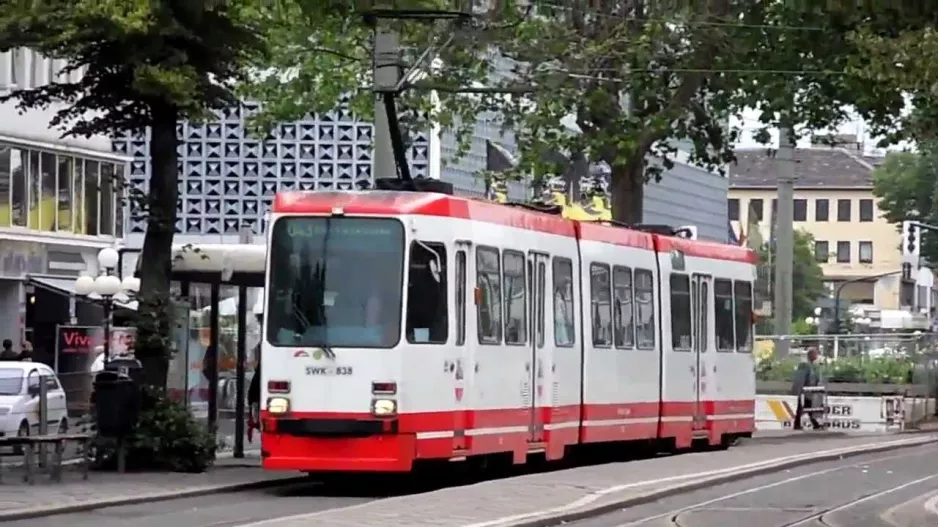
[107,285]
[130,284]
[84,285]
[107,258]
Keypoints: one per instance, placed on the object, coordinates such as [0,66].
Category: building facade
[61,201]
[228,178]
[834,202]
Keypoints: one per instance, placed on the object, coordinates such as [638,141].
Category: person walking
[7,353]
[807,375]
[27,354]
[254,390]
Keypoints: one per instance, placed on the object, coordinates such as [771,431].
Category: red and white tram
[406,326]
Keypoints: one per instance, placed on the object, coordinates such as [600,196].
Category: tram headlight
[384,407]
[278,405]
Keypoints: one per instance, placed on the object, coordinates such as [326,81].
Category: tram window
[515,298]
[564,325]
[427,306]
[489,300]
[703,302]
[541,302]
[600,305]
[460,298]
[645,309]
[743,296]
[724,314]
[680,312]
[623,319]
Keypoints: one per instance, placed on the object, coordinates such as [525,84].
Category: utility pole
[387,73]
[785,237]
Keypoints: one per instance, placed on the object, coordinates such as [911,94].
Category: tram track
[681,516]
[823,516]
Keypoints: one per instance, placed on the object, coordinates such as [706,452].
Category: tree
[144,65]
[906,184]
[644,78]
[635,76]
[807,276]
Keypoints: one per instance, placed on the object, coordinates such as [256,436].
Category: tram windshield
[335,282]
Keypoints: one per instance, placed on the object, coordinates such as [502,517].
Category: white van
[19,399]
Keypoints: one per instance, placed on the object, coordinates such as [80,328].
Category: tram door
[536,281]
[461,361]
[700,302]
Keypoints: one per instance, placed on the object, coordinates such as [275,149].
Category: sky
[750,124]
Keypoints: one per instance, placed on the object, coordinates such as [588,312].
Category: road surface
[221,510]
[897,489]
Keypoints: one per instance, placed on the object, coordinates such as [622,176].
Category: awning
[66,287]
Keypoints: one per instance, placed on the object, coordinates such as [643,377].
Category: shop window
[19,160]
[92,170]
[107,198]
[64,192]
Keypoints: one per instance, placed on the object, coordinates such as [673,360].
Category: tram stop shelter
[218,265]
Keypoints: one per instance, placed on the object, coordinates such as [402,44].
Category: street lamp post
[840,289]
[107,286]
[815,320]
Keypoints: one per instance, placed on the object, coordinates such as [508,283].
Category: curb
[588,511]
[794,438]
[154,497]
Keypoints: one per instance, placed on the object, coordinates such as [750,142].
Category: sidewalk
[563,495]
[19,500]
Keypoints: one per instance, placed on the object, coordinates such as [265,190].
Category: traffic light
[911,242]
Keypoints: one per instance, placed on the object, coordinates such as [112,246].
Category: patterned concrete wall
[228,178]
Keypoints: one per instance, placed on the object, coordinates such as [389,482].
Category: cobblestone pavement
[16,497]
[523,499]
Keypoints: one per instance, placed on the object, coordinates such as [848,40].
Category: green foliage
[167,437]
[884,370]
[906,184]
[143,64]
[807,276]
[636,79]
[800,327]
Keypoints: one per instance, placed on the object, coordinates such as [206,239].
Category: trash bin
[116,400]
[126,366]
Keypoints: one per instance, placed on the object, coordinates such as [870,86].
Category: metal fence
[853,345]
[68,404]
[861,365]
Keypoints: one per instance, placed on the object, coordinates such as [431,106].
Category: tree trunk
[155,305]
[627,192]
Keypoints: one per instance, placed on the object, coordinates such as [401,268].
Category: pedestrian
[254,390]
[807,375]
[7,353]
[27,354]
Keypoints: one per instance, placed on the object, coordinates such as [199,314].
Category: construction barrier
[847,413]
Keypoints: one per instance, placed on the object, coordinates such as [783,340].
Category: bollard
[43,420]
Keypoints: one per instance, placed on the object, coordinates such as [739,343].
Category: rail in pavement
[541,500]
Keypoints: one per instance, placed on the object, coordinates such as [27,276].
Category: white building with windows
[60,202]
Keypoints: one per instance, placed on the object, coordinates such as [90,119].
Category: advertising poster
[79,353]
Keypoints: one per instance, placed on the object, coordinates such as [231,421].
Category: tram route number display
[839,416]
[325,370]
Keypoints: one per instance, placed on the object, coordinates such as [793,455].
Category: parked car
[19,399]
